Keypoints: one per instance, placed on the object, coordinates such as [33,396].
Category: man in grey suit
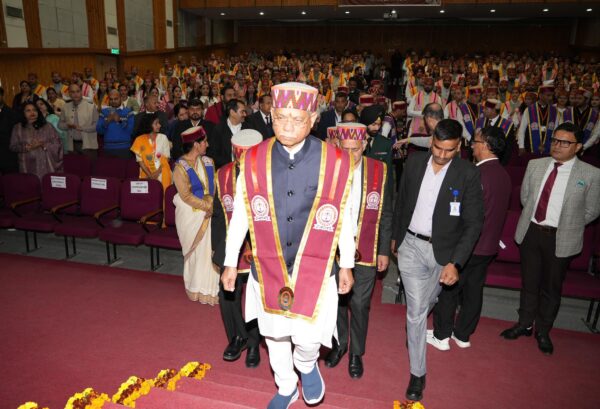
[560,195]
[437,221]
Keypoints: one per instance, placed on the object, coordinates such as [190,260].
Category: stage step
[163,399]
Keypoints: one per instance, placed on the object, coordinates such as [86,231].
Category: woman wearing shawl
[194,178]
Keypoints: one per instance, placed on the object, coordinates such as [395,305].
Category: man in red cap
[372,220]
[586,118]
[538,123]
[292,196]
[415,108]
[471,111]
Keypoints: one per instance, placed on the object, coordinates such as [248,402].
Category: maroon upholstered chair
[141,203]
[76,164]
[510,252]
[166,237]
[98,207]
[107,166]
[22,195]
[60,194]
[132,170]
[515,198]
[516,174]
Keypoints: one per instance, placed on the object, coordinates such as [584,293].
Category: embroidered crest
[551,125]
[467,117]
[373,201]
[534,126]
[207,161]
[260,208]
[326,217]
[228,203]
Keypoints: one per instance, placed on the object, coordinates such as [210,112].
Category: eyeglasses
[562,143]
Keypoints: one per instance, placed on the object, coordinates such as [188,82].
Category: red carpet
[67,326]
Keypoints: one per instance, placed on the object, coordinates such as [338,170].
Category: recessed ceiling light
[588,10]
[492,10]
[222,14]
[545,10]
[347,12]
[442,11]
[262,13]
[393,11]
[303,13]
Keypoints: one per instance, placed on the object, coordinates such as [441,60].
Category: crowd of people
[208,127]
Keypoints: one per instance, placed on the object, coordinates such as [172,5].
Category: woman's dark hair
[187,147]
[146,123]
[50,89]
[351,112]
[39,122]
[26,83]
[49,107]
[178,108]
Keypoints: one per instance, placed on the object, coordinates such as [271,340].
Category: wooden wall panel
[96,23]
[160,24]
[122,25]
[175,24]
[31,13]
[3,38]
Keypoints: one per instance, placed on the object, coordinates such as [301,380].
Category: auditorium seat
[98,208]
[166,237]
[60,194]
[140,205]
[509,251]
[107,166]
[76,164]
[515,198]
[21,193]
[516,174]
[132,170]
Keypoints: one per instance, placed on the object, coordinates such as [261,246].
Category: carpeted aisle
[66,326]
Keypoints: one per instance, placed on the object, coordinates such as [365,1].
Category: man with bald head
[116,124]
[415,108]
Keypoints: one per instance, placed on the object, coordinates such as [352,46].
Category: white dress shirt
[557,194]
[355,195]
[484,161]
[234,128]
[422,218]
[238,226]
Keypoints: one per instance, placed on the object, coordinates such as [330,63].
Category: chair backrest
[107,166]
[515,198]
[140,197]
[132,170]
[99,193]
[21,186]
[516,174]
[59,188]
[76,164]
[510,252]
[582,261]
[170,206]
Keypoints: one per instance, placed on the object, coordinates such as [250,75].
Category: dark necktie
[542,207]
[269,120]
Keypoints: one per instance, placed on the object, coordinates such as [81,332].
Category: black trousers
[359,302]
[468,292]
[542,275]
[230,304]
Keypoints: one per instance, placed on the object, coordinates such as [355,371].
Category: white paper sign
[98,183]
[502,245]
[58,182]
[139,186]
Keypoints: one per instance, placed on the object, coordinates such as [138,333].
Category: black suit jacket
[453,237]
[327,120]
[218,232]
[219,144]
[256,122]
[181,126]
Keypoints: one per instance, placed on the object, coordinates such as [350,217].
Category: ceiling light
[393,11]
[545,10]
[347,12]
[442,11]
[222,14]
[303,13]
[492,10]
[588,10]
[262,13]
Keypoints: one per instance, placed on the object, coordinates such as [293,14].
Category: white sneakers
[444,344]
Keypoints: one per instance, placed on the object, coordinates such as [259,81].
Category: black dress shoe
[544,343]
[355,366]
[516,331]
[253,357]
[335,356]
[415,388]
[234,349]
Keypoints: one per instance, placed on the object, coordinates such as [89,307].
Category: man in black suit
[151,106]
[437,220]
[219,139]
[333,116]
[261,120]
[8,119]
[195,118]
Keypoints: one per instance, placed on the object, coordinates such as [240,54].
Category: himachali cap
[492,104]
[343,89]
[244,140]
[491,89]
[476,89]
[332,132]
[399,105]
[547,86]
[375,82]
[295,95]
[562,92]
[352,131]
[366,100]
[193,134]
[381,99]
